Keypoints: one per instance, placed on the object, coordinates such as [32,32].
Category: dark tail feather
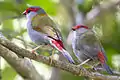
[68,56]
[107,68]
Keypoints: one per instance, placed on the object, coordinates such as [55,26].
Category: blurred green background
[106,24]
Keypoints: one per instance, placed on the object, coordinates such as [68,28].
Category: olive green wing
[45,25]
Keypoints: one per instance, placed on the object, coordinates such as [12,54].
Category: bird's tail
[67,56]
[58,44]
[107,68]
[102,59]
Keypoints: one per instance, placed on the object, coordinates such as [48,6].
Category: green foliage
[8,74]
[110,33]
[110,52]
[6,26]
[49,6]
[12,9]
[86,6]
[68,76]
[110,29]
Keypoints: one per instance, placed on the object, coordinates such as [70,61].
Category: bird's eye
[28,11]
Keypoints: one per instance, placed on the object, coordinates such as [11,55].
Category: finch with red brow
[88,48]
[42,30]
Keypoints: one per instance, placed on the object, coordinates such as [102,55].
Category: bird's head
[32,11]
[79,29]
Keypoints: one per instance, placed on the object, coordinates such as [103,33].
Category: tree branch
[6,46]
[23,66]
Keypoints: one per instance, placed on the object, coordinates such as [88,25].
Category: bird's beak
[73,29]
[24,13]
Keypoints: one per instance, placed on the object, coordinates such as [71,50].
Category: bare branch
[76,70]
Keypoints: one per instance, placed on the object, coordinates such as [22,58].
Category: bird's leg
[33,50]
[51,57]
[84,62]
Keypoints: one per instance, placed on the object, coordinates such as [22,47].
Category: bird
[42,30]
[87,47]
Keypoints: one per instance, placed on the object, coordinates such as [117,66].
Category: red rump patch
[58,44]
[101,57]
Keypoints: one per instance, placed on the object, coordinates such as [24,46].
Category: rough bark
[22,66]
[8,48]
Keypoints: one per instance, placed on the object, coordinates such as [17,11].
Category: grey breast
[36,36]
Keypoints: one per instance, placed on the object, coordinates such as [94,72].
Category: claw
[33,51]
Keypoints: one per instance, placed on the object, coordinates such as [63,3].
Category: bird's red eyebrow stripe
[76,27]
[79,26]
[29,9]
[32,9]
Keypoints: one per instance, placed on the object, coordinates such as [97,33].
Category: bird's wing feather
[88,43]
[101,47]
[45,25]
[91,47]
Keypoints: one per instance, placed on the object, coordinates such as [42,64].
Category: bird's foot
[33,50]
[84,62]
